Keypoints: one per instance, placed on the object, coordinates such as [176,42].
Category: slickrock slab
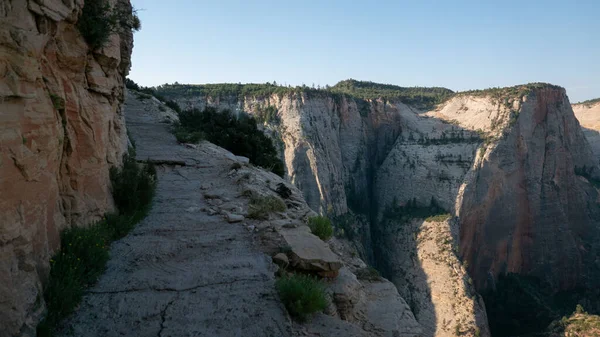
[182,272]
[308,252]
[189,269]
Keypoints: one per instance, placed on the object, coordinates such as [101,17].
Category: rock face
[61,129]
[502,162]
[206,276]
[524,209]
[419,257]
[588,115]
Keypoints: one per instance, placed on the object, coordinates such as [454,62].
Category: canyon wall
[588,115]
[505,163]
[523,208]
[61,128]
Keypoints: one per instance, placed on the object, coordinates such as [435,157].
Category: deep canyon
[444,193]
[512,167]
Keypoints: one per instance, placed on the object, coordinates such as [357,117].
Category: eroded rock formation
[505,163]
[61,129]
[209,270]
[524,209]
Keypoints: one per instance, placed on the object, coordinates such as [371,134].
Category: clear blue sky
[460,44]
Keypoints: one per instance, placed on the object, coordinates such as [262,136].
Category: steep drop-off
[61,129]
[588,114]
[503,162]
[523,208]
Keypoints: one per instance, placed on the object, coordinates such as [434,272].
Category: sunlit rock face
[528,207]
[61,128]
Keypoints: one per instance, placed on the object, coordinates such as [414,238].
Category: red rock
[61,128]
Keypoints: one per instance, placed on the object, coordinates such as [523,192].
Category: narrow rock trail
[182,272]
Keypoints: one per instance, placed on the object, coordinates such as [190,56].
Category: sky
[457,44]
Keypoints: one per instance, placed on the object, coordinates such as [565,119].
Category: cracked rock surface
[182,272]
[189,270]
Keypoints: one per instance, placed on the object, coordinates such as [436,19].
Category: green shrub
[81,260]
[302,295]
[133,186]
[267,115]
[99,21]
[321,227]
[130,84]
[238,135]
[173,105]
[84,252]
[261,207]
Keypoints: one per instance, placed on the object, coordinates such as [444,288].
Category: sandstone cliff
[61,129]
[522,207]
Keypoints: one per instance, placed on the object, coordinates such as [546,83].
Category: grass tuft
[321,227]
[261,207]
[84,252]
[302,295]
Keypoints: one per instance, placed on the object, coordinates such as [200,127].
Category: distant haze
[460,45]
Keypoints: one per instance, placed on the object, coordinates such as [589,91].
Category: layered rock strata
[510,165]
[61,128]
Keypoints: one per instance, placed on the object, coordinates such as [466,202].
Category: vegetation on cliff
[524,305]
[239,135]
[84,252]
[99,21]
[422,97]
[579,324]
[302,295]
[262,206]
[321,227]
[149,91]
[590,102]
[359,90]
[516,91]
[233,90]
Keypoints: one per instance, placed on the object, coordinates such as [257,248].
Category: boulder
[308,252]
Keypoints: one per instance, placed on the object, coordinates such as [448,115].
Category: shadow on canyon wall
[593,138]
